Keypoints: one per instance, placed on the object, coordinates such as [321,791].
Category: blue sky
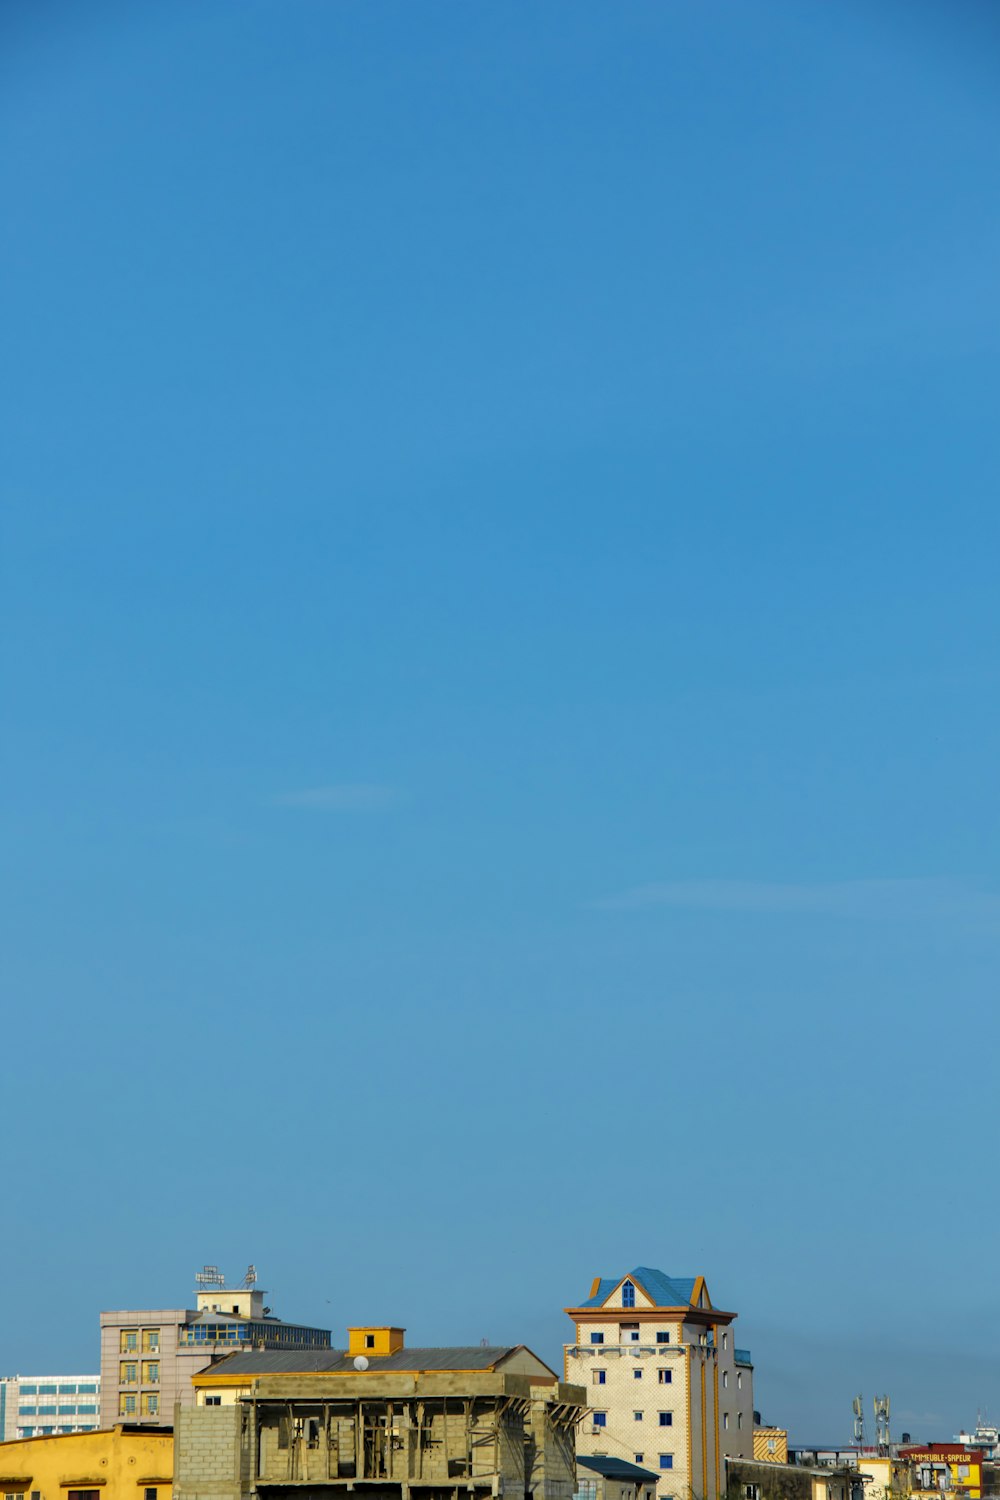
[499,676]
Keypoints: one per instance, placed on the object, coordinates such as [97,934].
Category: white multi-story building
[37,1405]
[668,1390]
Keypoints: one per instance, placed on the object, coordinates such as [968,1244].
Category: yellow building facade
[770,1445]
[117,1463]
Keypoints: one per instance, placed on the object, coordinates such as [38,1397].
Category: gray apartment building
[149,1354]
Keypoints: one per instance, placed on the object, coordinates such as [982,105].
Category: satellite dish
[360,1363]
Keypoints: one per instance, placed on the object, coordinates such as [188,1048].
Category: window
[600,1376]
[86,1411]
[597,1338]
[149,1494]
[638,1458]
[46,1411]
[725,1421]
[17,1495]
[630,1333]
[637,1416]
[25,1432]
[725,1380]
[739,1380]
[739,1420]
[312,1432]
[751,1491]
[126,1405]
[29,1390]
[587,1489]
[151,1340]
[725,1340]
[36,1495]
[83,1495]
[636,1374]
[68,1411]
[150,1403]
[664,1376]
[369,1341]
[628,1294]
[150,1372]
[666,1419]
[213,1400]
[128,1372]
[67,1390]
[84,1390]
[129,1340]
[28,1411]
[46,1390]
[771,1445]
[600,1419]
[662,1336]
[666,1460]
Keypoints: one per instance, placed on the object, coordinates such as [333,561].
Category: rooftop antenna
[484,1343]
[882,1423]
[250,1279]
[209,1276]
[859,1423]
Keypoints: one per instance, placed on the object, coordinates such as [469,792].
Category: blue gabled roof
[666,1291]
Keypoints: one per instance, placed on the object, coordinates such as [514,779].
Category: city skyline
[498,615]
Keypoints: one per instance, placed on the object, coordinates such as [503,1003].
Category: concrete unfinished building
[446,1424]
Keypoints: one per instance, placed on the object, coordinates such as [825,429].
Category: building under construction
[381,1419]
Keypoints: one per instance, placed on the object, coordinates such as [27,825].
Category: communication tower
[882,1424]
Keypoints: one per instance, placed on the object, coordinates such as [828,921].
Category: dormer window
[628,1294]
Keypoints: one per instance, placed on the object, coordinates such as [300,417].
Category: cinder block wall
[211,1453]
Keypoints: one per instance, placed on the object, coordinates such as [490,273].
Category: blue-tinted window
[46,1411]
[67,1390]
[29,1390]
[26,1431]
[28,1411]
[666,1419]
[666,1460]
[46,1390]
[600,1419]
[662,1337]
[45,1430]
[86,1411]
[628,1294]
[67,1411]
[600,1377]
[597,1338]
[87,1390]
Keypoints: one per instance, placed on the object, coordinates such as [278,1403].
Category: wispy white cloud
[905,900]
[345,796]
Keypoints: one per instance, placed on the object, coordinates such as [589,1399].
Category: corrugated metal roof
[336,1362]
[613,1468]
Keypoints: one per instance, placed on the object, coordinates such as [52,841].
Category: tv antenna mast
[250,1279]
